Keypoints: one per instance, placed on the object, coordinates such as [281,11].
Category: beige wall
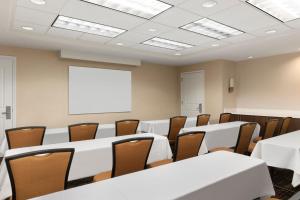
[217,75]
[42,89]
[269,83]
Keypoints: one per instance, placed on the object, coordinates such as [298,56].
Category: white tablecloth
[161,127]
[221,135]
[282,151]
[91,157]
[61,135]
[220,175]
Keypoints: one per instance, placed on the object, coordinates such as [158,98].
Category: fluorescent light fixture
[141,8]
[250,57]
[86,27]
[177,54]
[27,28]
[284,10]
[120,44]
[38,2]
[167,44]
[212,29]
[209,4]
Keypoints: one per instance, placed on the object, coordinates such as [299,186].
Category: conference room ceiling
[253,33]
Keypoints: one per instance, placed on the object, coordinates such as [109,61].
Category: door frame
[191,72]
[14,80]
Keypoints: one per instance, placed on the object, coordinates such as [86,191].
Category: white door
[192,93]
[6,95]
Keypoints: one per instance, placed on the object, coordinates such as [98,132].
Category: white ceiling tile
[94,38]
[134,37]
[205,46]
[153,49]
[173,2]
[52,6]
[64,33]
[186,37]
[36,28]
[239,38]
[279,28]
[244,17]
[34,16]
[98,14]
[116,41]
[196,6]
[294,24]
[146,27]
[175,17]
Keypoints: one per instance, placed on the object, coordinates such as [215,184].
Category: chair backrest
[25,136]
[202,120]
[130,155]
[271,126]
[285,125]
[83,131]
[176,124]
[188,145]
[39,173]
[224,117]
[244,138]
[127,127]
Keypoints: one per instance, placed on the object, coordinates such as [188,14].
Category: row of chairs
[30,173]
[33,136]
[42,172]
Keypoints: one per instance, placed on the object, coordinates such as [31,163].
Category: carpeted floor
[282,179]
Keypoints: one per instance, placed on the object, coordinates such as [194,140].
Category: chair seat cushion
[102,176]
[256,139]
[160,162]
[251,147]
[222,149]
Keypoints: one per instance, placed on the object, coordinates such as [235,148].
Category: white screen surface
[94,90]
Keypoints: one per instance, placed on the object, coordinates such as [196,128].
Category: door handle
[7,112]
[200,108]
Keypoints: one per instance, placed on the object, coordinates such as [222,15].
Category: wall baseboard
[264,112]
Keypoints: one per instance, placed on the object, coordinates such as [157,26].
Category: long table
[221,135]
[91,157]
[220,175]
[161,127]
[282,151]
[61,135]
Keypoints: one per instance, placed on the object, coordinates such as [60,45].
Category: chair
[127,127]
[187,146]
[39,173]
[129,156]
[83,131]
[243,141]
[176,124]
[25,136]
[285,125]
[271,126]
[202,120]
[224,118]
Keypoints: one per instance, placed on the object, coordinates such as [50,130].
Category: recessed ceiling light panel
[212,29]
[86,27]
[167,44]
[284,10]
[141,8]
